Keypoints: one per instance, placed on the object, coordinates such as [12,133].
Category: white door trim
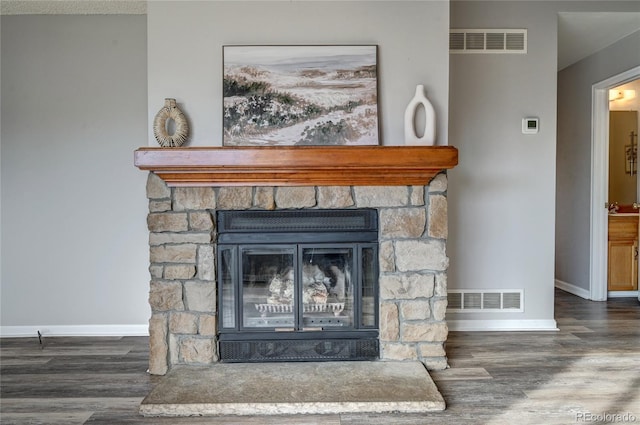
[599,180]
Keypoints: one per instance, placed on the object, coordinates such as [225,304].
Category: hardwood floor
[588,372]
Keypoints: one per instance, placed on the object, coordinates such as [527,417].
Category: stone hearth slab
[294,388]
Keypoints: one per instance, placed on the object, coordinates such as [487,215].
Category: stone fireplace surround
[182,239]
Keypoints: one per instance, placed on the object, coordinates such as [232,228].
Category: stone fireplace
[184,200]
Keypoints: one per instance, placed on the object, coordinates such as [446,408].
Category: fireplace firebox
[298,285]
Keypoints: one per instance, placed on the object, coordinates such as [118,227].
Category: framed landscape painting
[300,95]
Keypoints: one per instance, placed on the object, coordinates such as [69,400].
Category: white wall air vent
[485,301]
[487,41]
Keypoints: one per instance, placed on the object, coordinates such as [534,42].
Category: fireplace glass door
[327,291]
[268,291]
[298,288]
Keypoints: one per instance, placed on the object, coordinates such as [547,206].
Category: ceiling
[73,7]
[580,34]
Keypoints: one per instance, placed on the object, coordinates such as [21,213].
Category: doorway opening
[599,243]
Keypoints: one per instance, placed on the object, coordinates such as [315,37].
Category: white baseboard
[502,325]
[622,294]
[573,289]
[74,330]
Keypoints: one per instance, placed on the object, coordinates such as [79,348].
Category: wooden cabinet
[623,253]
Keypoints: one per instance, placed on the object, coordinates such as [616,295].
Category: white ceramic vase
[429,135]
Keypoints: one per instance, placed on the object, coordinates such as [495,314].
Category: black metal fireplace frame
[355,229]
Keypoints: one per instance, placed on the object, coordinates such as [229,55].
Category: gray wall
[502,196]
[75,105]
[74,238]
[186,62]
[573,195]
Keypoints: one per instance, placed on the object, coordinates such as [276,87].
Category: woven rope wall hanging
[170,112]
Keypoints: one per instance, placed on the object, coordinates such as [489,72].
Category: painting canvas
[300,95]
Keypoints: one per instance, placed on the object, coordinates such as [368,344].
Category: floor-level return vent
[488,301]
[487,41]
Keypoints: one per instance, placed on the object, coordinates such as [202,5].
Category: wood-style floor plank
[50,418]
[128,419]
[591,366]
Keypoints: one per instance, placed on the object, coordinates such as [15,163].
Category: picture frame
[284,95]
[631,159]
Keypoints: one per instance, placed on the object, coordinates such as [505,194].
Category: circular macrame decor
[160,131]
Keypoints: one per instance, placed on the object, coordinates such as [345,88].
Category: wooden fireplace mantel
[297,166]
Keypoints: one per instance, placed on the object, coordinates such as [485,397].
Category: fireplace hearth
[298,285]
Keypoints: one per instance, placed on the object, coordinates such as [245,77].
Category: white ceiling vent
[485,301]
[487,41]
